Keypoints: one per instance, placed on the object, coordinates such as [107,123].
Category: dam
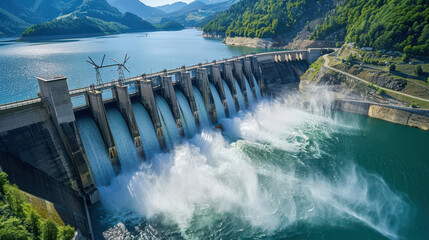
[75,141]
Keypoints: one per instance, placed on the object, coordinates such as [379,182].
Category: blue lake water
[22,62]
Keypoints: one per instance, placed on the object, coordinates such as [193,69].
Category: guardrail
[20,103]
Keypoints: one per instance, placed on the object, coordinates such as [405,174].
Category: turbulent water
[220,111]
[202,111]
[229,99]
[281,170]
[188,121]
[147,132]
[240,96]
[249,92]
[101,167]
[169,127]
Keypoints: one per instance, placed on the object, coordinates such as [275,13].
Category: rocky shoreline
[280,43]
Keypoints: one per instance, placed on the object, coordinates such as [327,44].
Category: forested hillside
[91,17]
[264,18]
[382,24]
[61,17]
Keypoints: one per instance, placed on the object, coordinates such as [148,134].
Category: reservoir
[22,62]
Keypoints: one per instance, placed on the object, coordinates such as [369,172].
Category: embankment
[249,42]
[367,100]
[418,118]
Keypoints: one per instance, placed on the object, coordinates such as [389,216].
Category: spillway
[99,162]
[169,126]
[249,92]
[218,103]
[202,111]
[240,97]
[124,143]
[188,121]
[147,132]
[229,100]
[257,89]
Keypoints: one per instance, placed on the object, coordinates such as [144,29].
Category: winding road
[326,64]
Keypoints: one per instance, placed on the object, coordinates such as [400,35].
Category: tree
[50,230]
[405,58]
[12,229]
[32,223]
[66,233]
[16,200]
[392,67]
[3,181]
[351,58]
[418,70]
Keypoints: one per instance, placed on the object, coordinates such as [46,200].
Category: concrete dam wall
[76,140]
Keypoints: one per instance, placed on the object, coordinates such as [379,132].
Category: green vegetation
[169,25]
[314,68]
[382,24]
[95,17]
[263,18]
[73,25]
[20,220]
[380,91]
[405,58]
[418,70]
[392,67]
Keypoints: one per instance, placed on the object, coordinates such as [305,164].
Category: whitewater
[271,173]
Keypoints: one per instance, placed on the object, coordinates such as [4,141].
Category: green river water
[280,171]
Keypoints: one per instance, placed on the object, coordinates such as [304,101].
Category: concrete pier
[170,96]
[247,70]
[148,100]
[123,102]
[54,92]
[258,75]
[216,78]
[99,114]
[187,90]
[202,82]
[238,74]
[229,79]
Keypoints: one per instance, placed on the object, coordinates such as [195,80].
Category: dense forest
[263,18]
[21,221]
[382,24]
[91,17]
[168,25]
[73,25]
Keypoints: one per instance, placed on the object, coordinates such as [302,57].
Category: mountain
[208,2]
[90,17]
[168,8]
[17,15]
[388,24]
[188,8]
[138,8]
[381,24]
[169,26]
[197,11]
[264,19]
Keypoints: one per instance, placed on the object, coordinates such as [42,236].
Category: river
[22,62]
[279,171]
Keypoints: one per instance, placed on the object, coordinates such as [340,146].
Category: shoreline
[295,44]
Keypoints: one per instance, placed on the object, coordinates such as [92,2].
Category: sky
[154,3]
